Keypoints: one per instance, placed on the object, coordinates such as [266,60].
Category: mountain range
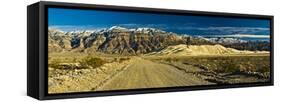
[119,40]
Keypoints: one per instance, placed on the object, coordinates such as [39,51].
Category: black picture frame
[37,67]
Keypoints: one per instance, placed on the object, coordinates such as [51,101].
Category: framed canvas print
[82,50]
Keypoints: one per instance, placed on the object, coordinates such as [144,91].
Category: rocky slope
[115,40]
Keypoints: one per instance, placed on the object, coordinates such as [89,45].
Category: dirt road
[143,73]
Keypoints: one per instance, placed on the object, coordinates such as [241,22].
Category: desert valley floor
[119,58]
[143,73]
[149,71]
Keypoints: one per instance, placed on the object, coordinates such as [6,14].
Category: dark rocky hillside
[118,40]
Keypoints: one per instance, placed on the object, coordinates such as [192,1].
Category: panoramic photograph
[96,50]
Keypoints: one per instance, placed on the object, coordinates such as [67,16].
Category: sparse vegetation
[123,59]
[226,66]
[229,64]
[55,64]
[171,59]
[91,62]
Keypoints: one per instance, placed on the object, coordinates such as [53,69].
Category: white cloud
[241,36]
[248,36]
[227,30]
[77,27]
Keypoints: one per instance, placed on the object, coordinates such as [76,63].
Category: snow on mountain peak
[117,27]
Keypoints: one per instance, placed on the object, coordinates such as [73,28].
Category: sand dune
[200,50]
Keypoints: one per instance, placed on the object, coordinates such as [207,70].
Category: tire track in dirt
[109,78]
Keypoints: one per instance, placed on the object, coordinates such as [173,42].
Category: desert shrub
[230,64]
[54,64]
[227,66]
[91,62]
[123,59]
[169,59]
[247,67]
[49,58]
[74,59]
[115,59]
[264,69]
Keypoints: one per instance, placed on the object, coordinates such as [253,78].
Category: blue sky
[76,19]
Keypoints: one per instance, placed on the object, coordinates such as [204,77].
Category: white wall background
[13,51]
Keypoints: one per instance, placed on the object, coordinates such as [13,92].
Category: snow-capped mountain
[120,40]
